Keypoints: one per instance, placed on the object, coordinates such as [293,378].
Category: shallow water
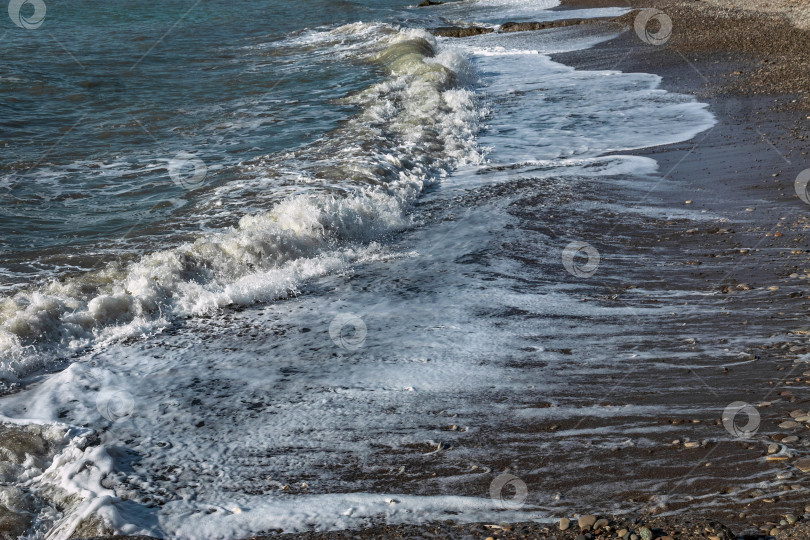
[295,338]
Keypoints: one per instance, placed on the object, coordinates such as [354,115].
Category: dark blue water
[96,101]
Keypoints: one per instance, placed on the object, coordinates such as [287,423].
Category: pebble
[646,533]
[585,522]
[580,537]
[790,439]
[691,444]
[621,533]
[600,523]
[565,523]
[797,413]
[784,475]
[791,519]
[773,448]
[788,424]
[803,464]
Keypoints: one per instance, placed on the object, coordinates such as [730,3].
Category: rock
[428,3]
[580,537]
[524,26]
[803,464]
[691,444]
[534,26]
[788,424]
[565,523]
[791,519]
[586,522]
[621,533]
[600,523]
[797,413]
[461,31]
[773,448]
[646,533]
[790,439]
[633,537]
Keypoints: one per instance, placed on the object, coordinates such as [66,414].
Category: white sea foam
[335,410]
[421,123]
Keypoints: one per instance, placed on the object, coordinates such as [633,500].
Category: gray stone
[600,523]
[803,464]
[586,522]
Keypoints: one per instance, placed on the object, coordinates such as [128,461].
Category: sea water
[251,252]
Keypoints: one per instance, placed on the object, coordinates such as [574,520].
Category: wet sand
[745,265]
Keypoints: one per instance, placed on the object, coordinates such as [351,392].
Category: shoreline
[717,56]
[713,68]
